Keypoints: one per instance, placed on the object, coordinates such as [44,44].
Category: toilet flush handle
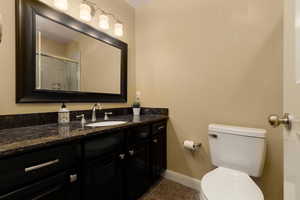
[214,136]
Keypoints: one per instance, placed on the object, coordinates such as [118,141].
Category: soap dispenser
[63,115]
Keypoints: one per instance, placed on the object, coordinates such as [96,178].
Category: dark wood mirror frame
[26,92]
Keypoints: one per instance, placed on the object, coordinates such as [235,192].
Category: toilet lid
[227,184]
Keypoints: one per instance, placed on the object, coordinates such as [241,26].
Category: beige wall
[213,61]
[7,55]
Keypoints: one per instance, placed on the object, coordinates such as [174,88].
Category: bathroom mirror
[71,61]
[61,59]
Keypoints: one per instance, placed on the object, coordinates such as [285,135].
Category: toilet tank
[238,148]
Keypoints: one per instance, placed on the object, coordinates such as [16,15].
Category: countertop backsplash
[25,120]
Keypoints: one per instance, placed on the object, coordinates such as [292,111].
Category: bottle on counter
[63,115]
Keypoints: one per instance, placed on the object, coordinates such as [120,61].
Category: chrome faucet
[106,115]
[83,121]
[94,108]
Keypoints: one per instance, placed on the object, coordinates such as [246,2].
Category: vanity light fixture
[88,10]
[85,12]
[104,21]
[61,4]
[119,29]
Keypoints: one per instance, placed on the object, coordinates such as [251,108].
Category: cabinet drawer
[138,135]
[103,145]
[21,170]
[159,128]
[57,187]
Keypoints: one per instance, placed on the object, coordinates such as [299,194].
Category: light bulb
[119,29]
[61,4]
[85,12]
[104,21]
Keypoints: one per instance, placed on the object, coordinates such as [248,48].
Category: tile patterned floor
[169,190]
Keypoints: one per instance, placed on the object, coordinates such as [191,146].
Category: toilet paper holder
[191,145]
[197,146]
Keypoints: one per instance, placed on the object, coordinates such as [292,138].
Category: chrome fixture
[83,121]
[106,115]
[94,108]
[73,178]
[36,167]
[285,120]
[131,152]
[122,156]
[88,10]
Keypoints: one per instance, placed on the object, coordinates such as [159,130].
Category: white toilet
[238,153]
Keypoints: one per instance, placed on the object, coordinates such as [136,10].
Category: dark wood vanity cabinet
[103,178]
[117,165]
[157,166]
[57,187]
[158,150]
[138,170]
[47,174]
[124,165]
[103,167]
[138,166]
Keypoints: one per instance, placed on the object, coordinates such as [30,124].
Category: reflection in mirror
[68,60]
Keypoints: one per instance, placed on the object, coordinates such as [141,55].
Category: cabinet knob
[155,141]
[131,152]
[161,128]
[73,178]
[122,156]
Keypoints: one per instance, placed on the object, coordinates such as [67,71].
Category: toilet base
[202,196]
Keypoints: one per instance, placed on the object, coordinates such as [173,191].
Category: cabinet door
[63,186]
[103,178]
[161,129]
[138,174]
[156,152]
[31,167]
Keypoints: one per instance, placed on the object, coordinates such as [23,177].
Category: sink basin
[106,123]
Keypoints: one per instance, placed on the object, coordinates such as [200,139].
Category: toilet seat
[228,184]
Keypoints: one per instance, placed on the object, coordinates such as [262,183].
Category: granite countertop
[27,138]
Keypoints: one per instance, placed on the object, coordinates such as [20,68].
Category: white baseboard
[183,180]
